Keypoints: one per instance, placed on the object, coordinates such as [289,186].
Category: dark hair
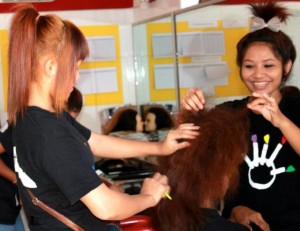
[123,119]
[31,37]
[126,121]
[290,90]
[197,174]
[279,42]
[163,118]
[74,103]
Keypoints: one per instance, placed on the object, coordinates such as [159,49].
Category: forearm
[291,133]
[128,205]
[111,205]
[7,173]
[107,146]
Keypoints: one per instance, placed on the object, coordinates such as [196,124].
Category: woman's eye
[269,65]
[248,66]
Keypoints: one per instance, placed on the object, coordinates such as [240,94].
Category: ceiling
[58,5]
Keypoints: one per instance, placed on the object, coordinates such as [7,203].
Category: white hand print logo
[26,180]
[263,161]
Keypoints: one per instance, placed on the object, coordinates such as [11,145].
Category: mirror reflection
[153,48]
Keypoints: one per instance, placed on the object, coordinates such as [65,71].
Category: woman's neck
[40,97]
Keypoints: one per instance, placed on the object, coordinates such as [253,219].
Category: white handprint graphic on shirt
[263,161]
[26,180]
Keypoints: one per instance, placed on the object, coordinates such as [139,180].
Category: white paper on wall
[189,44]
[164,77]
[203,23]
[101,48]
[201,43]
[204,76]
[162,45]
[191,75]
[100,80]
[216,71]
[235,23]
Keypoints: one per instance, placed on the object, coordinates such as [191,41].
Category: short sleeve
[85,132]
[70,165]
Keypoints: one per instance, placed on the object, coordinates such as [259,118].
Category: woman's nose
[259,72]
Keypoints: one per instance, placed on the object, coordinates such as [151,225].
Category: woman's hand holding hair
[156,187]
[245,216]
[179,138]
[193,100]
[267,106]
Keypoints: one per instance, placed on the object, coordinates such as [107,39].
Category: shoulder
[290,104]
[290,100]
[235,104]
[39,124]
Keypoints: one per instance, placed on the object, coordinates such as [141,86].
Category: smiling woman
[268,194]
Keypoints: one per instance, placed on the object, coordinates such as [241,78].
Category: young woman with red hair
[54,153]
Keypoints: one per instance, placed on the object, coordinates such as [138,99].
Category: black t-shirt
[270,176]
[214,222]
[54,160]
[9,204]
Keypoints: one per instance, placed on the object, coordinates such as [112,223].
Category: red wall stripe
[58,5]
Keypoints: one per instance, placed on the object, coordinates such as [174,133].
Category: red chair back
[136,223]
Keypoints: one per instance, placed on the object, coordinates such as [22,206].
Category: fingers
[157,187]
[185,131]
[164,181]
[178,138]
[245,216]
[188,126]
[259,102]
[193,100]
[160,178]
[259,221]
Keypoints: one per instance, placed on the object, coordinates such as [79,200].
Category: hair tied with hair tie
[258,23]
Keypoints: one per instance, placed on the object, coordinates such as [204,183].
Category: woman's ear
[288,67]
[51,67]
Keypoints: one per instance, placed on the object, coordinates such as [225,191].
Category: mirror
[153,47]
[164,56]
[201,51]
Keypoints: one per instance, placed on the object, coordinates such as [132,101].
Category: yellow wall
[89,99]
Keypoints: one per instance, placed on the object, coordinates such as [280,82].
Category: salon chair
[136,223]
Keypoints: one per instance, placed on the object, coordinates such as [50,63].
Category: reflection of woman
[201,175]
[157,118]
[124,119]
[53,152]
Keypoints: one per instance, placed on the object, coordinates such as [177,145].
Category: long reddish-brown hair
[31,37]
[204,172]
